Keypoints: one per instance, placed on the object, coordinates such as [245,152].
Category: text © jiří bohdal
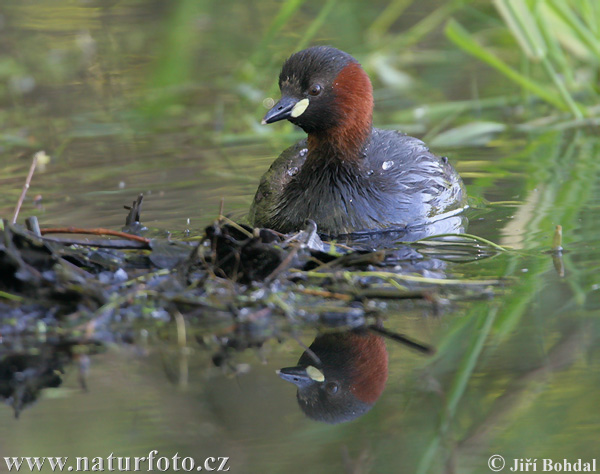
[550,465]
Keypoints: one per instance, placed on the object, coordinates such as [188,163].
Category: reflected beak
[297,375]
[287,107]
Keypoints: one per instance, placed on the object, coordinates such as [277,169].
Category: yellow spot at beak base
[299,108]
[315,374]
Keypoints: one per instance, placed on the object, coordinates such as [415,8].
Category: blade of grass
[312,29]
[287,10]
[590,12]
[523,26]
[173,65]
[425,26]
[309,34]
[555,50]
[475,133]
[463,39]
[578,28]
[440,110]
[576,109]
[388,16]
[465,370]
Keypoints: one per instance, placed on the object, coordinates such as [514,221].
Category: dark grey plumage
[397,182]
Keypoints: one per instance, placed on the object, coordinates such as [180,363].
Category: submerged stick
[557,239]
[26,186]
[557,251]
[284,265]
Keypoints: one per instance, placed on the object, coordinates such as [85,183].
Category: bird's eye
[315,90]
[332,388]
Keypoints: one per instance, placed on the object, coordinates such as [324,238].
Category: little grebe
[347,176]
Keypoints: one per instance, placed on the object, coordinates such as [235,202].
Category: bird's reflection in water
[344,380]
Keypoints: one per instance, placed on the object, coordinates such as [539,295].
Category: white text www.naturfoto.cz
[117,463]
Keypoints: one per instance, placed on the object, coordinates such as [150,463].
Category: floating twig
[96,231]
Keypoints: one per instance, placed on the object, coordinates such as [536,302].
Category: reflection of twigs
[285,264]
[391,277]
[96,231]
[325,294]
[353,260]
[25,187]
[523,390]
[402,339]
[181,333]
[463,236]
[308,350]
[104,244]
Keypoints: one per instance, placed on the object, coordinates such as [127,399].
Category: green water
[165,98]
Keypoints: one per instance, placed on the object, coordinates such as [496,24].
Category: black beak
[297,375]
[281,110]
